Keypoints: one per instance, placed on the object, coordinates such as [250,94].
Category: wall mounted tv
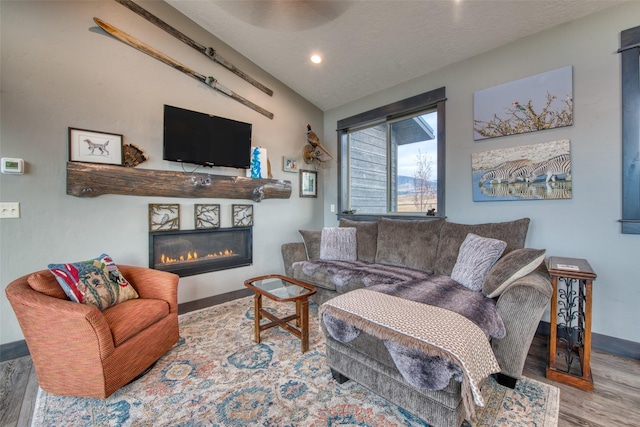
[203,139]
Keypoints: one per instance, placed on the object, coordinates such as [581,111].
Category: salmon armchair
[78,350]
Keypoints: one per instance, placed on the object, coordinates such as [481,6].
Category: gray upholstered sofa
[393,250]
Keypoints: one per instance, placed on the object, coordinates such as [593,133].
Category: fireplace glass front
[189,252]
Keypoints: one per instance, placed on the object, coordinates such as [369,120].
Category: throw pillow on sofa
[476,257]
[338,244]
[511,267]
[95,282]
[366,236]
[514,233]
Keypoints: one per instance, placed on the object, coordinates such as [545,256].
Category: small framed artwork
[164,217]
[289,164]
[308,183]
[95,147]
[207,216]
[242,215]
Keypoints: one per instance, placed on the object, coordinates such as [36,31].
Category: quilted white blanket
[433,330]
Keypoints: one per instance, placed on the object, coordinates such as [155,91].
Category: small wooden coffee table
[282,289]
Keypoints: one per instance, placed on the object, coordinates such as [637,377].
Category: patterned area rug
[217,376]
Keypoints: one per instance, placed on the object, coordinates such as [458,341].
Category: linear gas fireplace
[189,252]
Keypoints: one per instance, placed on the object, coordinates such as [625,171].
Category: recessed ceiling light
[316,59]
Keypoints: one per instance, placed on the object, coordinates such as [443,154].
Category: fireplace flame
[193,256]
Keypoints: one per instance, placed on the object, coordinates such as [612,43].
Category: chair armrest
[292,252]
[153,284]
[59,331]
[521,306]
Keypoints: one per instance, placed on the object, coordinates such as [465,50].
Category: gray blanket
[418,369]
[342,273]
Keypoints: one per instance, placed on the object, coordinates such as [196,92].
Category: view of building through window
[393,166]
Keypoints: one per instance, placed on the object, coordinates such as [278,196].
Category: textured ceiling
[368,46]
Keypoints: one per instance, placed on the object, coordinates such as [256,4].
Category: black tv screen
[203,139]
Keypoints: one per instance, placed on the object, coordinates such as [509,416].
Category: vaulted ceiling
[367,45]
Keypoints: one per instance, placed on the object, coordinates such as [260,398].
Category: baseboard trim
[187,307]
[16,349]
[13,350]
[605,343]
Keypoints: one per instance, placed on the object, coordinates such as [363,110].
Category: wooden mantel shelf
[91,180]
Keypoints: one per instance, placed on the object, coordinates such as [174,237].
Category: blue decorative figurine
[255,163]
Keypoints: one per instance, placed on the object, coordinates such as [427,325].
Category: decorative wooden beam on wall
[91,180]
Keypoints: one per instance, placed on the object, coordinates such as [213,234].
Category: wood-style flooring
[614,402]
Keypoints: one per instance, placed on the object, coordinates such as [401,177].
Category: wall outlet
[332,207]
[10,210]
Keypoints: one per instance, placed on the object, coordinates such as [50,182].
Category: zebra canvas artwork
[531,172]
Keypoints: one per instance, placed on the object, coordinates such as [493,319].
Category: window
[630,51]
[392,159]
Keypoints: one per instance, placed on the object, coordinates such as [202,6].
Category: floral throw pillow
[95,282]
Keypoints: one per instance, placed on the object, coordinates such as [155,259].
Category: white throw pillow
[338,244]
[475,258]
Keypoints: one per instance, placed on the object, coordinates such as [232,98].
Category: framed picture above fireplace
[207,216]
[95,147]
[242,215]
[164,217]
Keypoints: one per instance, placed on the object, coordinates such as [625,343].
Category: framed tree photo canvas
[539,102]
[95,147]
[308,183]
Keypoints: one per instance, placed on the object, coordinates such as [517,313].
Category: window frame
[630,53]
[432,100]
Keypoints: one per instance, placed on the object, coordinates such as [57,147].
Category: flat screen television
[203,139]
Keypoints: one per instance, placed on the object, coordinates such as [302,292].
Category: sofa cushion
[338,243]
[127,319]
[46,283]
[322,274]
[514,233]
[476,256]
[511,267]
[345,276]
[311,240]
[367,237]
[408,243]
[95,282]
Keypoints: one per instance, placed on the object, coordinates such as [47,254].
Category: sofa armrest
[153,284]
[521,306]
[292,252]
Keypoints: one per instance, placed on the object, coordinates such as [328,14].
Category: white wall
[585,226]
[59,70]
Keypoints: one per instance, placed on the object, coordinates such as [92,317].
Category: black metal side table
[570,319]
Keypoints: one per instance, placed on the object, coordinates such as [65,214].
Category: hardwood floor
[614,402]
[18,390]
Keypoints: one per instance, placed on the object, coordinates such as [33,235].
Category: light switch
[10,210]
